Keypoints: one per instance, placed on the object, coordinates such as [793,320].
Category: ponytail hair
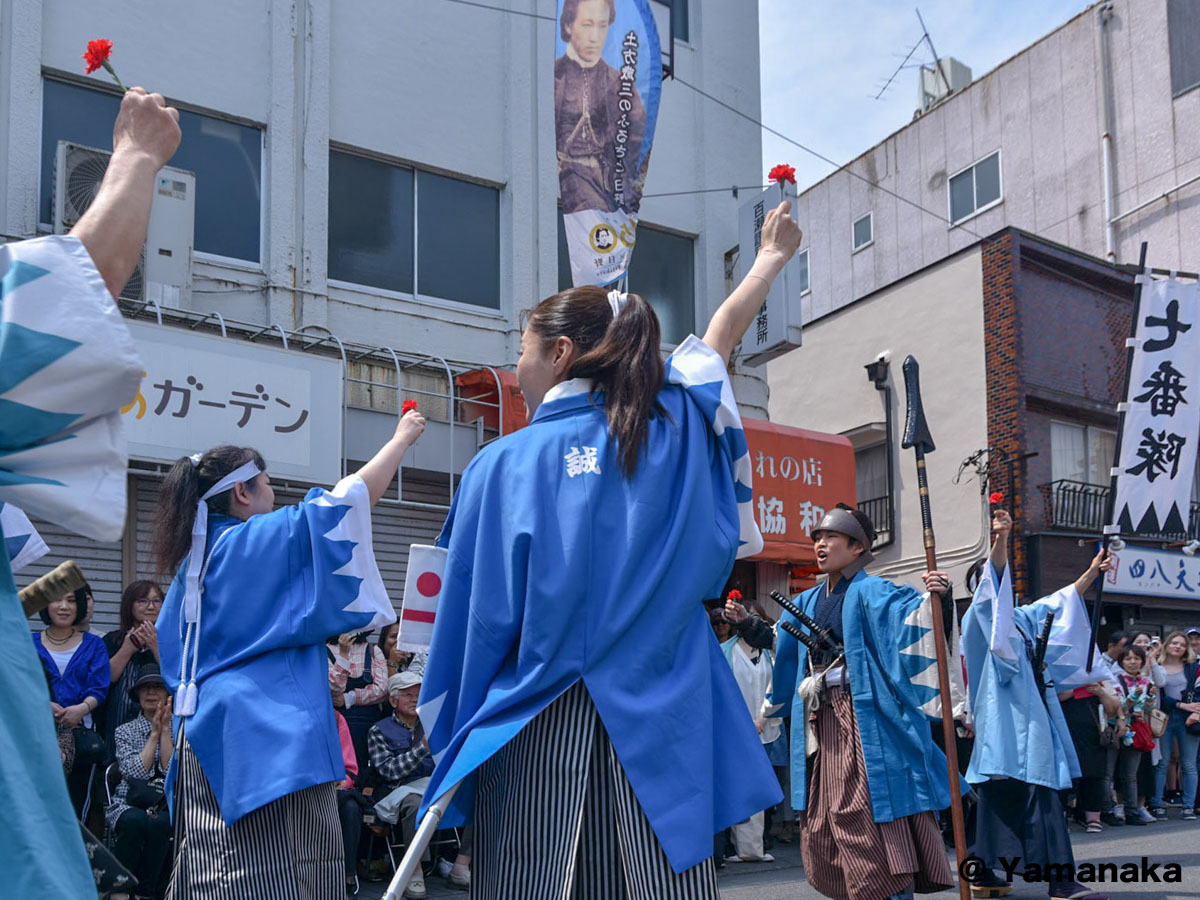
[620,354]
[179,494]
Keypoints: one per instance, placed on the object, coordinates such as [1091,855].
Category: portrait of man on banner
[607,81]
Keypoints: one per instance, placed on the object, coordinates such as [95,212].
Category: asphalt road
[1173,841]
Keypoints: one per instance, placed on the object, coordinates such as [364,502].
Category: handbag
[1142,738]
[89,745]
[146,793]
[1110,736]
[1158,722]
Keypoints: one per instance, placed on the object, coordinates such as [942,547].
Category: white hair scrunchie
[617,301]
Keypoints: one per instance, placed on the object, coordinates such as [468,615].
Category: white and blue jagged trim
[698,368]
[355,527]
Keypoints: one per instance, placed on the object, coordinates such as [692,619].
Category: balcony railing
[879,509]
[1078,506]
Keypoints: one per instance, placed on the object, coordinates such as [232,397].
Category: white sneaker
[416,887]
[443,867]
[1145,815]
[459,878]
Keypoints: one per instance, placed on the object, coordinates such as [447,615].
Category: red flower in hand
[408,406]
[995,498]
[97,55]
[735,594]
[98,52]
[781,173]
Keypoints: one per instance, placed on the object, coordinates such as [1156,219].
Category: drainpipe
[1103,14]
[877,372]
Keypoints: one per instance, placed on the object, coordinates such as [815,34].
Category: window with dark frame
[226,157]
[802,265]
[975,188]
[406,230]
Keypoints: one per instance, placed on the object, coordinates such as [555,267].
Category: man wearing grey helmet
[867,777]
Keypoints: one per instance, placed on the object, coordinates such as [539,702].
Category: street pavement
[1173,841]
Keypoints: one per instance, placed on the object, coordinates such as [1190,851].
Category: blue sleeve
[787,667]
[699,370]
[97,676]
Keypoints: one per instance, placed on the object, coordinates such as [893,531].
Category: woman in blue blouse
[79,678]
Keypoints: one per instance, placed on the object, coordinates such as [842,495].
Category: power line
[733,187]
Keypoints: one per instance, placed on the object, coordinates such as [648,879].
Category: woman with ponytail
[574,548]
[241,638]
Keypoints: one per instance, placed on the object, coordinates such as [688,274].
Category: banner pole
[1110,504]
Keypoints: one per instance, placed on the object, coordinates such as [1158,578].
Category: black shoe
[1135,819]
[1110,819]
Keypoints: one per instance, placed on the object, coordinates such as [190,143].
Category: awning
[798,476]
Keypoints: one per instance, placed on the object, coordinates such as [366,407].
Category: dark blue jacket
[88,674]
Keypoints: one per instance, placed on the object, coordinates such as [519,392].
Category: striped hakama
[847,854]
[290,849]
[556,817]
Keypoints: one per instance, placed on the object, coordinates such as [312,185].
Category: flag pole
[917,436]
[1110,504]
[416,849]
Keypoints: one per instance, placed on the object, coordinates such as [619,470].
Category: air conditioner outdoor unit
[164,273]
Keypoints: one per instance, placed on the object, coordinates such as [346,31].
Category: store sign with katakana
[199,391]
[1153,573]
[776,328]
[1162,415]
[798,476]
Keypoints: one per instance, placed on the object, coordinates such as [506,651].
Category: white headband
[186,700]
[617,301]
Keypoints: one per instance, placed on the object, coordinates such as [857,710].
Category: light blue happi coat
[561,568]
[1019,734]
[278,585]
[892,669]
[67,364]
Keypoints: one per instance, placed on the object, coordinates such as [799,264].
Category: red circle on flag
[428,584]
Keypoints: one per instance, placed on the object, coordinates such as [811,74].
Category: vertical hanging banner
[1161,422]
[607,84]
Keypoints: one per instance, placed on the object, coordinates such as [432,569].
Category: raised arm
[113,229]
[1001,526]
[1100,563]
[780,240]
[379,472]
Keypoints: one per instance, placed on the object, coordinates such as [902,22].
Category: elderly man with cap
[400,755]
[137,814]
[866,774]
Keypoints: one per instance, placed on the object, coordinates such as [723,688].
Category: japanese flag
[422,588]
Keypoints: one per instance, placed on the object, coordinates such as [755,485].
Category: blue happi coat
[67,364]
[1020,733]
[892,670]
[560,568]
[277,586]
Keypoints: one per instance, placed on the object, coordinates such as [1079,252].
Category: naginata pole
[917,436]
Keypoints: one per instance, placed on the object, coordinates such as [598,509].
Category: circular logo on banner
[428,584]
[603,238]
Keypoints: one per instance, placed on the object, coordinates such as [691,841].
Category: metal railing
[1079,506]
[879,510]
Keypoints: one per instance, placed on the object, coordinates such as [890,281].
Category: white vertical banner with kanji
[776,328]
[1162,412]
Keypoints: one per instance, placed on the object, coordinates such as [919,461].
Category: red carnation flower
[408,406]
[782,173]
[98,52]
[735,594]
[996,497]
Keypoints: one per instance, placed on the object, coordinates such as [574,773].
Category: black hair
[621,354]
[1135,650]
[131,595]
[179,494]
[80,596]
[571,9]
[1117,636]
[864,521]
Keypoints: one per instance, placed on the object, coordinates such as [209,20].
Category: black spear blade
[916,429]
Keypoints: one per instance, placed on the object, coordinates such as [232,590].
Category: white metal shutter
[100,563]
[395,527]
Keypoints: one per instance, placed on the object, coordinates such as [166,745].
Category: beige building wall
[937,316]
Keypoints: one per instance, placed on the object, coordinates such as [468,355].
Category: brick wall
[1005,388]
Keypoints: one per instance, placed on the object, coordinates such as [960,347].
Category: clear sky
[823,62]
